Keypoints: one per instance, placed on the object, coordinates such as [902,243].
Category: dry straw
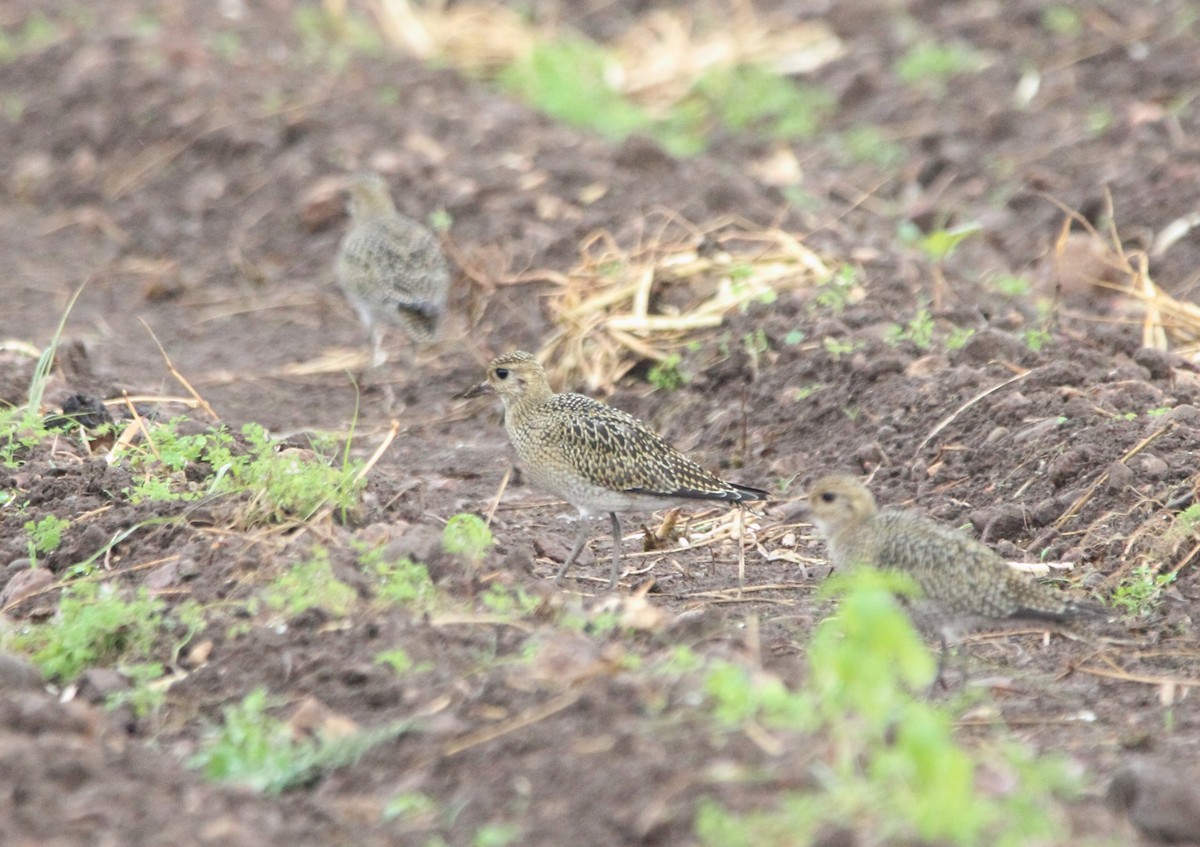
[620,306]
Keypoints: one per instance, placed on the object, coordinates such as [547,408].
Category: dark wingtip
[748,493]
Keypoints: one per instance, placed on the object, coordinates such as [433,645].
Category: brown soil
[180,177]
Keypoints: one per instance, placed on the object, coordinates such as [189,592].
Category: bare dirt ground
[177,162]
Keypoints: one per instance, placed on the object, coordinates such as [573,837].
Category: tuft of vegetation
[919,331]
[467,535]
[96,626]
[867,144]
[890,767]
[310,585]
[403,581]
[930,66]
[44,536]
[839,291]
[509,602]
[279,484]
[1141,592]
[255,749]
[667,375]
[749,97]
[568,79]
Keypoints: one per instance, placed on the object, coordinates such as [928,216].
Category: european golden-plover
[390,266]
[597,458]
[962,583]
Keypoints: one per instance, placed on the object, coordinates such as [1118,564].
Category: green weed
[868,145]
[36,33]
[750,97]
[1035,338]
[509,602]
[958,337]
[838,347]
[255,749]
[939,244]
[1011,285]
[838,292]
[496,835]
[467,535]
[667,375]
[890,767]
[1141,592]
[930,66]
[567,79]
[282,484]
[403,582]
[310,585]
[1062,20]
[806,391]
[410,806]
[756,344]
[919,330]
[398,660]
[95,626]
[44,536]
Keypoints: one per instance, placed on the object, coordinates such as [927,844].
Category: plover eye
[828,496]
[501,373]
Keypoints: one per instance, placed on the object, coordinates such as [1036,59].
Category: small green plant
[397,659]
[310,585]
[890,767]
[410,806]
[1100,119]
[403,581]
[806,391]
[839,290]
[666,375]
[939,244]
[440,220]
[36,33]
[958,337]
[749,96]
[509,602]
[96,626]
[1062,20]
[45,535]
[1035,338]
[253,748]
[930,66]
[467,535]
[793,337]
[496,835]
[567,78]
[1011,285]
[866,144]
[919,331]
[1141,592]
[838,347]
[281,484]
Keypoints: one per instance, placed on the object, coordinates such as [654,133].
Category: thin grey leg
[616,559]
[579,542]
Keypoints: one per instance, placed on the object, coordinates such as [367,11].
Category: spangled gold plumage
[962,582]
[595,457]
[390,267]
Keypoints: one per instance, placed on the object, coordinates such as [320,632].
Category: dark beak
[478,391]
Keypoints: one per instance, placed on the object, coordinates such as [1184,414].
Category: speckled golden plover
[597,458]
[390,267]
[962,583]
